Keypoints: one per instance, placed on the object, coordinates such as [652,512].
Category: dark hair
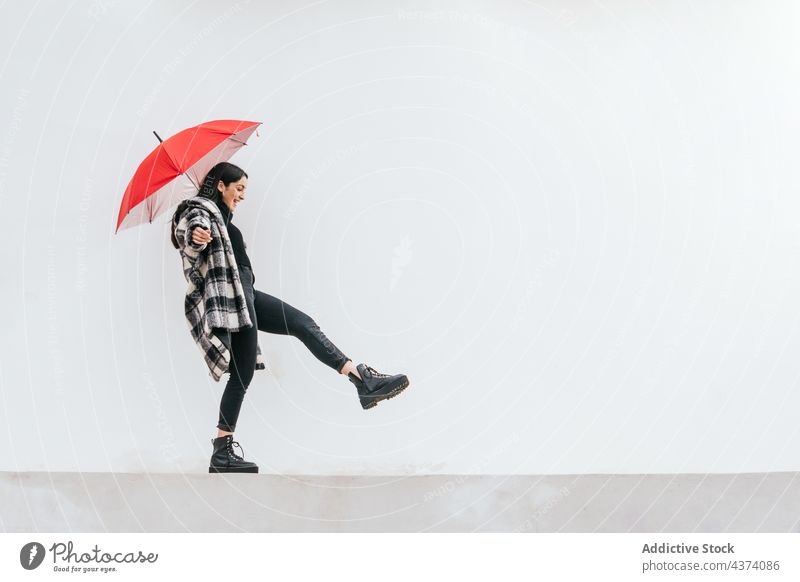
[224,171]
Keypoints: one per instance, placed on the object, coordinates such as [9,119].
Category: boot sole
[372,401]
[233,470]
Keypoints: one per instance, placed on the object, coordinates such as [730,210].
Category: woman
[225,311]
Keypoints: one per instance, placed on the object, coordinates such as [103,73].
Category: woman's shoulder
[194,205]
[190,211]
[202,203]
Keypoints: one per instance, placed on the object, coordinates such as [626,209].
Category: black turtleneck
[237,240]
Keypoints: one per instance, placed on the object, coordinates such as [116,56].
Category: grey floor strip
[161,502]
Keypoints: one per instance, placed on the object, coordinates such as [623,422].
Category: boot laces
[375,372]
[231,452]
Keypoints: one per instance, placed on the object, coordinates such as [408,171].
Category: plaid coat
[215,301]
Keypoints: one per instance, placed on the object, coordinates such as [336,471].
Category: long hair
[224,171]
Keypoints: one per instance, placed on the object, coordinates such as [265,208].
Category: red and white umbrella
[173,171]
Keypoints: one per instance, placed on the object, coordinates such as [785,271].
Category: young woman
[211,264]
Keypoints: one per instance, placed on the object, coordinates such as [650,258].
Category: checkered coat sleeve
[215,301]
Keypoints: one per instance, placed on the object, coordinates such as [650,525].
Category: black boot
[374,386]
[224,460]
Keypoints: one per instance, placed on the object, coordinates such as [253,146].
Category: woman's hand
[201,236]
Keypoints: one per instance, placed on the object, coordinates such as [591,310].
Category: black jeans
[272,315]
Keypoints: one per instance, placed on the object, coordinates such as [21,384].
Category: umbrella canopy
[173,171]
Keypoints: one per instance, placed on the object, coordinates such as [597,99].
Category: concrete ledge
[161,502]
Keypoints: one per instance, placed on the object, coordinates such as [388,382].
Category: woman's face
[233,193]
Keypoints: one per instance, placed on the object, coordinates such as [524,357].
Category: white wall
[572,224]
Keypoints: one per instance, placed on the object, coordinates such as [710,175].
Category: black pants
[272,315]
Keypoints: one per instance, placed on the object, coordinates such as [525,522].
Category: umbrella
[174,169]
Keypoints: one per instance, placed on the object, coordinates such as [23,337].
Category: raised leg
[277,316]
